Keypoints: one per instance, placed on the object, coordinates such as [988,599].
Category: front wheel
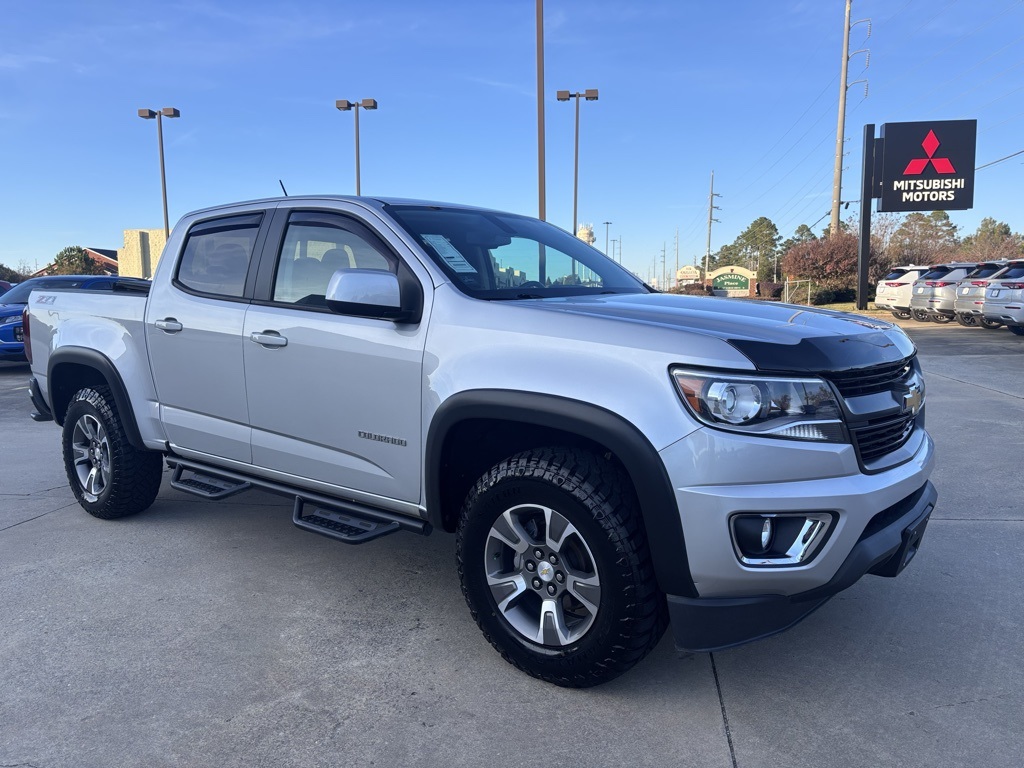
[109,477]
[941,319]
[556,569]
[901,314]
[967,321]
[920,315]
[989,325]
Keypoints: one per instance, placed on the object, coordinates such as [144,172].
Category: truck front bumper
[888,544]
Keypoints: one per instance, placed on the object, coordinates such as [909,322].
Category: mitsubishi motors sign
[928,166]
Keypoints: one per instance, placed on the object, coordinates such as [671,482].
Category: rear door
[332,399]
[194,321]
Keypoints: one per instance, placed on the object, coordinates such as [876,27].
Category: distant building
[104,258]
[141,252]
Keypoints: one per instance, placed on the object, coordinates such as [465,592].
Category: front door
[332,399]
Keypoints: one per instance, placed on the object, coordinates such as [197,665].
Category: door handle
[269,339]
[169,324]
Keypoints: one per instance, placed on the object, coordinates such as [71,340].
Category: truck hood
[775,337]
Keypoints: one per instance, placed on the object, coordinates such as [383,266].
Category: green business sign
[731,282]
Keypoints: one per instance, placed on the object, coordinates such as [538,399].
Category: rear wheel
[1016,330]
[555,567]
[920,315]
[109,477]
[989,325]
[967,321]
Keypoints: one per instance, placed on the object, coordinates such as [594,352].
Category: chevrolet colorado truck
[611,459]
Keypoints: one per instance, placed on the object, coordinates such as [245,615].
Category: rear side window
[217,254]
[896,274]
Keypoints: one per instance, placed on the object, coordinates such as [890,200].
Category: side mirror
[373,293]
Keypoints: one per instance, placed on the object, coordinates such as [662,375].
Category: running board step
[207,486]
[348,526]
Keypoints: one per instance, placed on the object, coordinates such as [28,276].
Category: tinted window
[896,274]
[985,270]
[1013,273]
[935,274]
[316,245]
[217,254]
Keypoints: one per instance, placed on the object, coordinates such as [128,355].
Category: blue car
[12,335]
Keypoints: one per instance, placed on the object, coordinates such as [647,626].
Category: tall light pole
[837,172]
[590,95]
[606,225]
[344,105]
[542,212]
[149,114]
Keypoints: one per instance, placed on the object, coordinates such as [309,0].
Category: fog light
[779,539]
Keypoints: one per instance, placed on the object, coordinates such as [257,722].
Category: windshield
[19,294]
[491,255]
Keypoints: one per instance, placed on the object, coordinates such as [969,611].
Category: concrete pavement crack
[29,520]
[975,384]
[725,715]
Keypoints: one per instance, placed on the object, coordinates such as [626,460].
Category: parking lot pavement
[202,634]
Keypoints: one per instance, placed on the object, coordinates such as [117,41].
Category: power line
[1000,160]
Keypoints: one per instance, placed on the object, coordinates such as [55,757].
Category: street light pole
[345,105]
[606,224]
[590,95]
[149,114]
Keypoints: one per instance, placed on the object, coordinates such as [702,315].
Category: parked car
[934,292]
[13,302]
[4,287]
[970,293]
[1004,298]
[893,290]
[610,459]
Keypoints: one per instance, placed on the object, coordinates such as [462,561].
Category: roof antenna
[282,187]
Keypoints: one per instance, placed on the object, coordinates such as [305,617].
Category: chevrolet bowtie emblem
[913,400]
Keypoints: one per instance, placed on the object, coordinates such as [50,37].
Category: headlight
[798,409]
[10,320]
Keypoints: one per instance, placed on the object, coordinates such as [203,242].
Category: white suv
[894,290]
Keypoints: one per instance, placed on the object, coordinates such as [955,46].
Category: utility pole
[711,209]
[664,275]
[837,173]
[676,279]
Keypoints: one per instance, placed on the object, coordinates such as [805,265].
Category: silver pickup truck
[611,459]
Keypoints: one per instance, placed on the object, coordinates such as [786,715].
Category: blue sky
[746,89]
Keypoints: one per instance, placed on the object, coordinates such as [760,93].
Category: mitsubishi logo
[913,400]
[940,164]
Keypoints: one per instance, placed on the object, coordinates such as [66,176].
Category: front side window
[217,254]
[491,255]
[316,245]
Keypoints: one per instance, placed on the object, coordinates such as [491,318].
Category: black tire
[940,319]
[901,314]
[989,325]
[967,321]
[109,477]
[580,510]
[1016,330]
[920,315]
